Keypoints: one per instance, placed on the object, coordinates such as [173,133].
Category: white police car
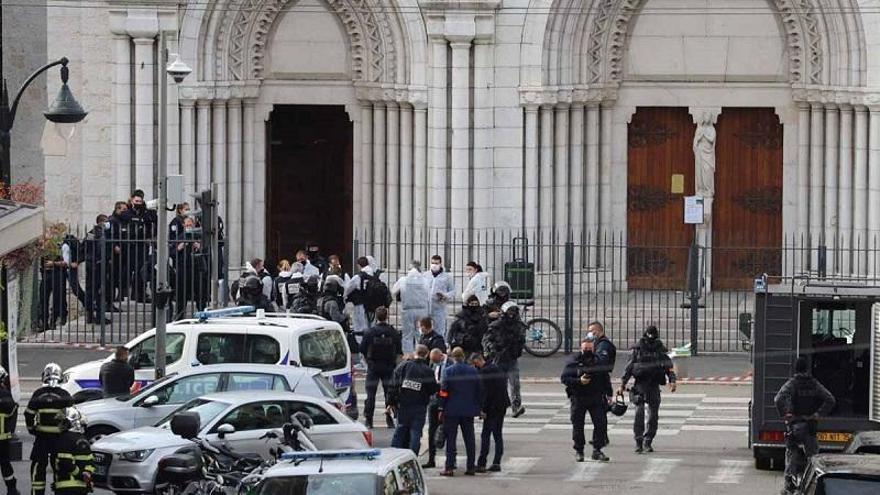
[345,472]
[235,335]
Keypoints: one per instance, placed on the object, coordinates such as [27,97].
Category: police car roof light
[220,313]
[332,454]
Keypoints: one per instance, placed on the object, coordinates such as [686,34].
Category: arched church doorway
[309,180]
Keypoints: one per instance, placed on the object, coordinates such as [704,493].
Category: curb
[64,345]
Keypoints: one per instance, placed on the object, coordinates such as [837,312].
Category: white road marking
[727,428]
[727,400]
[729,472]
[516,466]
[657,470]
[586,471]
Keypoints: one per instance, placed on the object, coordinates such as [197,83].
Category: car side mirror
[225,429]
[151,401]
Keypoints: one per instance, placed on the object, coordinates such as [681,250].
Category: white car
[160,398]
[354,472]
[128,461]
[228,336]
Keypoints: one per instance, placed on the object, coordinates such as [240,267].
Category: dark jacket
[606,352]
[504,340]
[493,305]
[803,396]
[461,392]
[116,378]
[371,351]
[650,364]
[304,303]
[73,458]
[433,341]
[45,411]
[412,385]
[494,383]
[258,302]
[8,414]
[468,329]
[598,386]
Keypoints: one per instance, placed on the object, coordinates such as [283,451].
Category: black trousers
[6,465]
[53,290]
[374,377]
[598,410]
[434,424]
[73,281]
[492,427]
[646,396]
[41,458]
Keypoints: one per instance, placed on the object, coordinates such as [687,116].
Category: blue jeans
[410,422]
[451,424]
[492,426]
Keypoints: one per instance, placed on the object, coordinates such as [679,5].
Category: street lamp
[64,110]
[178,71]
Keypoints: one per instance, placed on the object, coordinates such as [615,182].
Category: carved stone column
[460,206]
[803,216]
[546,183]
[218,163]
[605,160]
[817,180]
[832,143]
[420,169]
[144,155]
[705,139]
[366,184]
[845,190]
[392,184]
[203,144]
[532,172]
[122,114]
[379,224]
[592,180]
[248,164]
[187,145]
[234,190]
[437,160]
[874,190]
[560,190]
[576,180]
[860,193]
[406,173]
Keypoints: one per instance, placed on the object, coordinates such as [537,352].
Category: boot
[639,448]
[430,464]
[598,455]
[648,447]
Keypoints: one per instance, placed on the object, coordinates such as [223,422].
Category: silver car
[128,461]
[153,403]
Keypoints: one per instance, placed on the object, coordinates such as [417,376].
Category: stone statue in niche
[704,156]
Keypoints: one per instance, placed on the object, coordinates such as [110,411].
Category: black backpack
[381,348]
[375,293]
[650,365]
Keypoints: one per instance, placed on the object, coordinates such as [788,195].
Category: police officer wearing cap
[588,385]
[44,416]
[8,420]
[651,366]
[503,344]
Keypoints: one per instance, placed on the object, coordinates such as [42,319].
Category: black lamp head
[65,109]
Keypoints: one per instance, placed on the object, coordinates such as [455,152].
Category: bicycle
[543,336]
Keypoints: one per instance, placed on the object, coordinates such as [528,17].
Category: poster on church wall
[693,210]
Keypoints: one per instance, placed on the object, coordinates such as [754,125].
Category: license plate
[825,436]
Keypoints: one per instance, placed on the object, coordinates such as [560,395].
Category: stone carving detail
[765,200]
[597,36]
[646,198]
[247,27]
[648,134]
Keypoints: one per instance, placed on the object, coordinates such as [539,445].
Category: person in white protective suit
[478,283]
[442,293]
[359,320]
[414,293]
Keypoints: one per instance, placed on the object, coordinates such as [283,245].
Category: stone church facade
[569,116]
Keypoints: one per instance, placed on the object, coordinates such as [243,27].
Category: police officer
[412,387]
[74,463]
[500,295]
[97,270]
[306,302]
[801,402]
[589,388]
[331,307]
[503,344]
[8,420]
[251,294]
[44,417]
[141,229]
[381,347]
[414,292]
[651,366]
[469,326]
[439,361]
[430,339]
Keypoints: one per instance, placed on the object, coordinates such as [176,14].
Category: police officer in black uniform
[97,272]
[306,302]
[503,344]
[44,416]
[251,294]
[412,389]
[141,229]
[381,346]
[651,366]
[588,386]
[8,420]
[469,327]
[74,463]
[119,255]
[332,307]
[800,403]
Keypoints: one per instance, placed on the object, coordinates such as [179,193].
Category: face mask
[189,230]
[139,207]
[435,268]
[107,225]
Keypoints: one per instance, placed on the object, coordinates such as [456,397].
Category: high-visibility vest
[6,435]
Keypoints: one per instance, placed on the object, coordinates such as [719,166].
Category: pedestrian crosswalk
[650,470]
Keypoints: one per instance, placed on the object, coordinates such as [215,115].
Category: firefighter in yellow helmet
[45,416]
[74,463]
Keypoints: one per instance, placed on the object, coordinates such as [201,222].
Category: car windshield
[317,484]
[151,386]
[206,409]
[834,485]
[324,349]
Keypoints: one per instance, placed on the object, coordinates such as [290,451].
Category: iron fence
[98,289]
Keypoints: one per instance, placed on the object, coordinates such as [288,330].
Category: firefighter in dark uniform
[74,463]
[800,402]
[8,419]
[44,416]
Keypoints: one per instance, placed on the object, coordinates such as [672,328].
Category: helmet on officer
[310,286]
[651,333]
[74,420]
[501,289]
[510,309]
[51,375]
[332,285]
[252,285]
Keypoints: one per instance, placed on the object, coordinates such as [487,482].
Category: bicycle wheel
[543,337]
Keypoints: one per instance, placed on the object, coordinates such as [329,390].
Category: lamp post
[178,71]
[64,110]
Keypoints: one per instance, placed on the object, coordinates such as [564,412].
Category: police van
[836,325]
[235,335]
